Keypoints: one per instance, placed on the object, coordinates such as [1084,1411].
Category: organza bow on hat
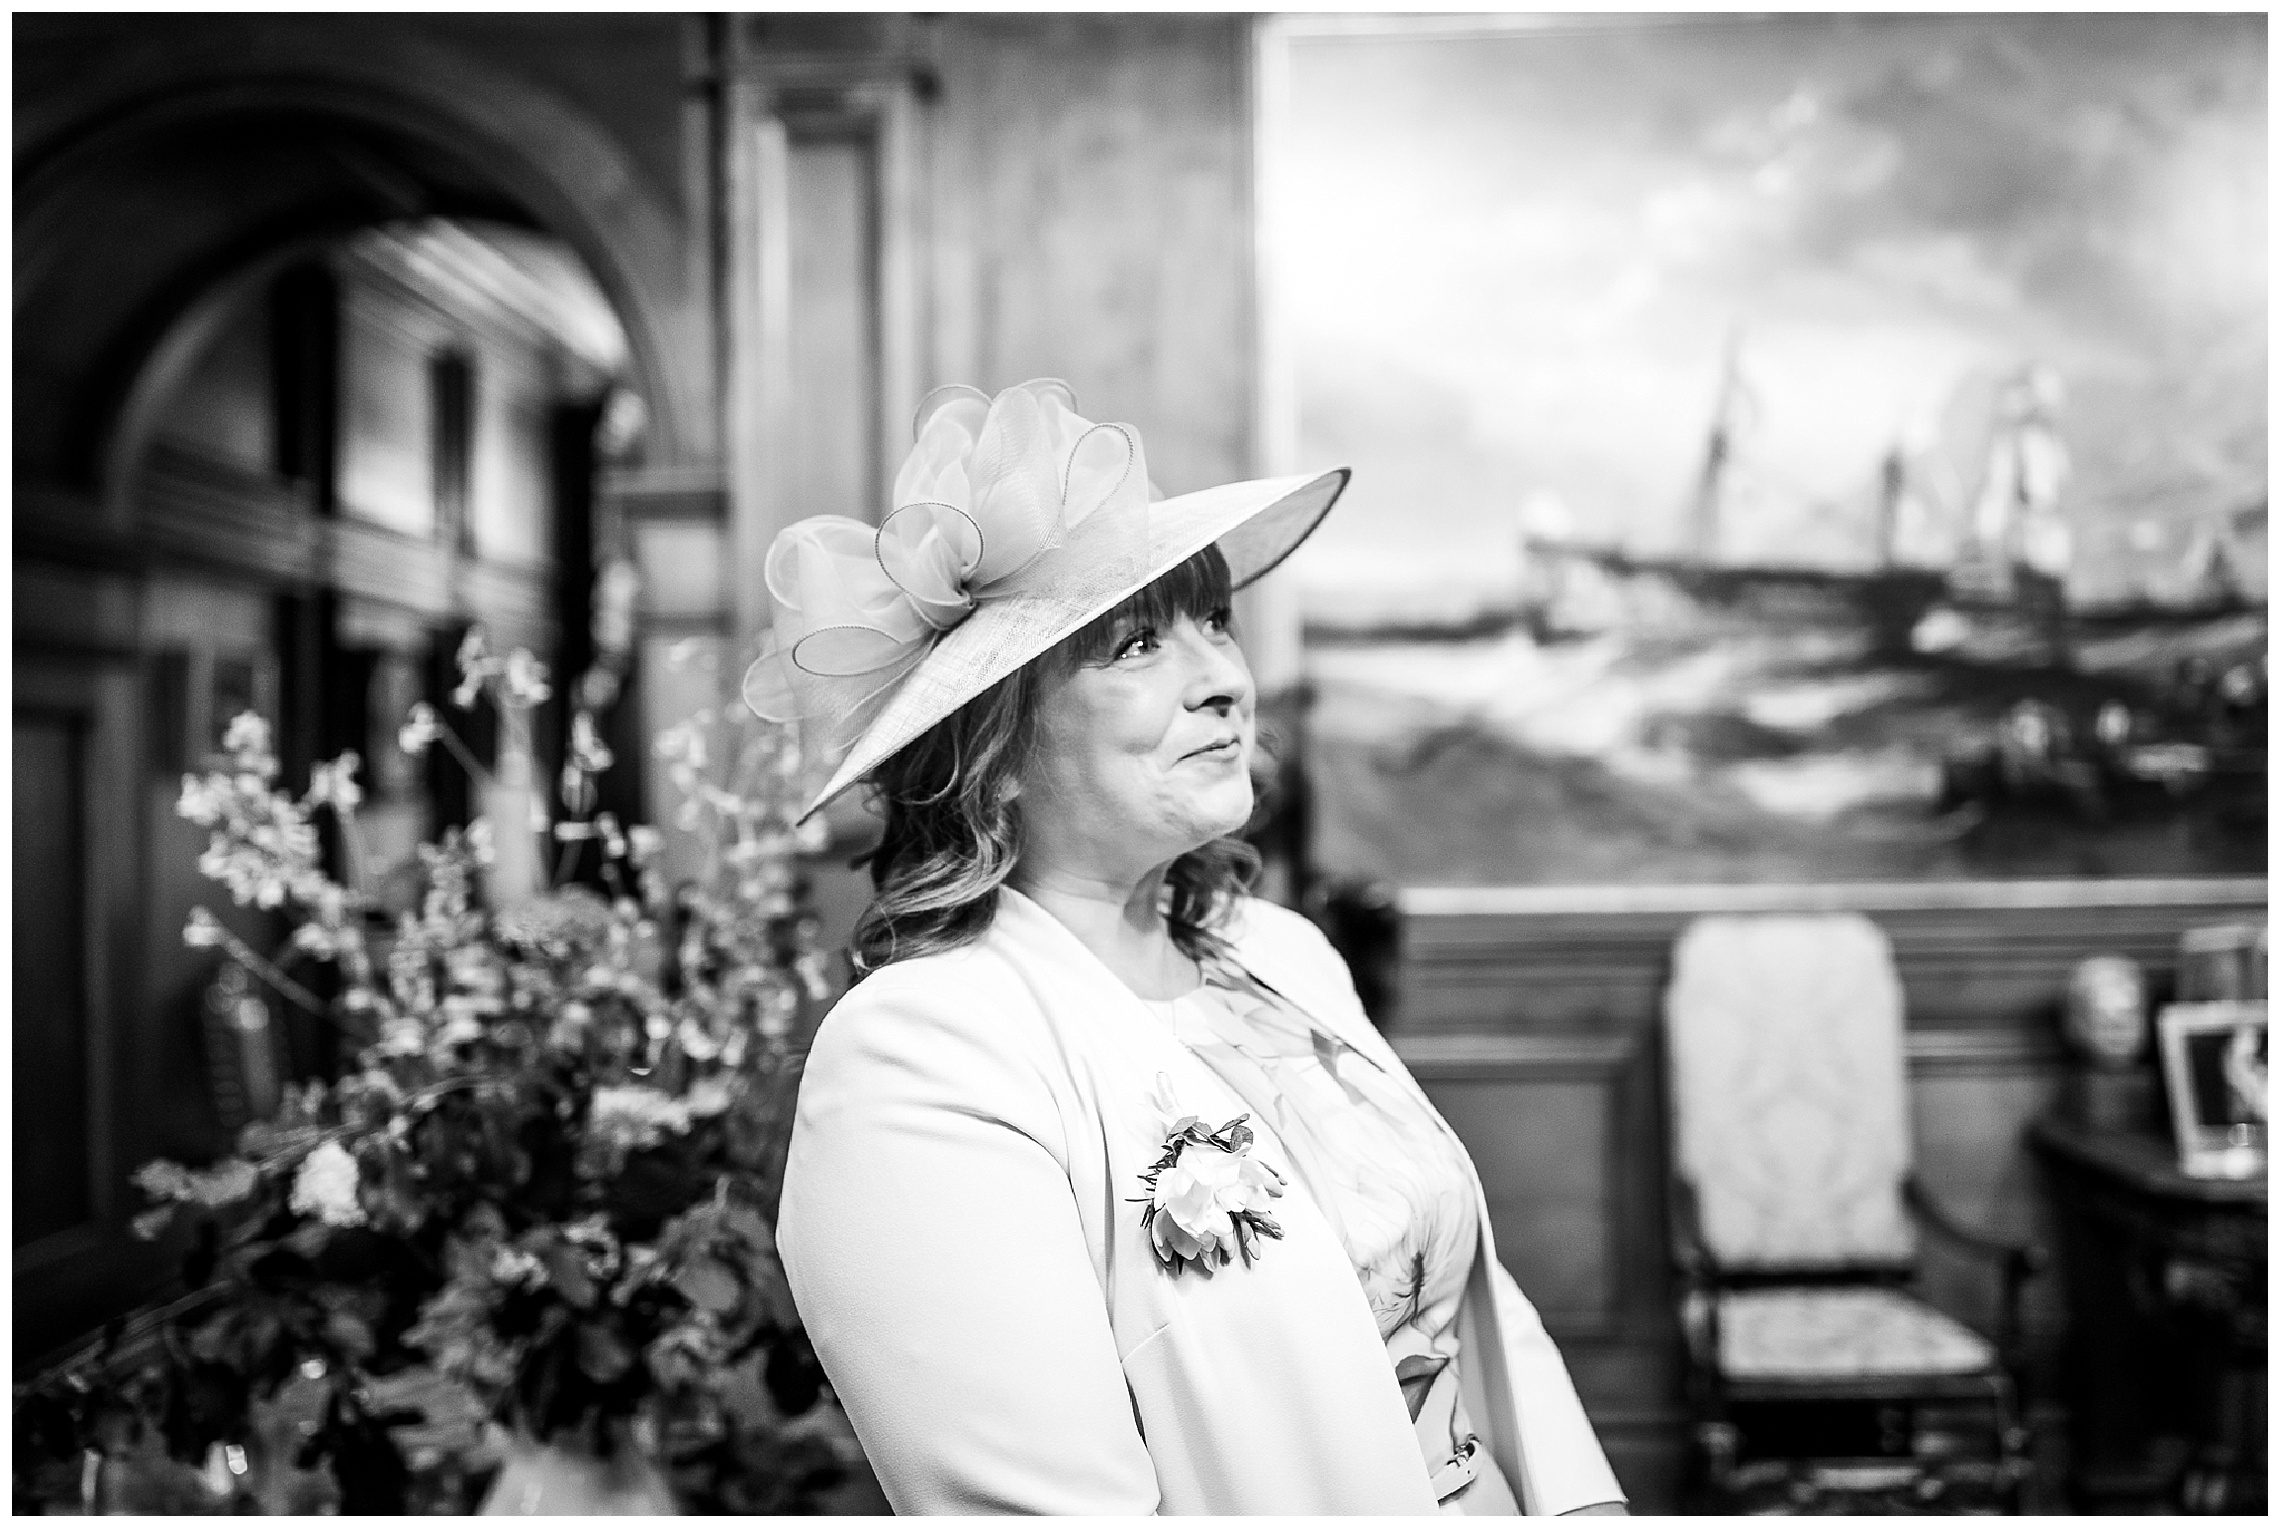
[1015,521]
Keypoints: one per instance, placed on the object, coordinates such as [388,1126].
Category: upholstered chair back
[1789,1090]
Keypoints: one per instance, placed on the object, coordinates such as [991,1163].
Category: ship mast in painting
[1736,411]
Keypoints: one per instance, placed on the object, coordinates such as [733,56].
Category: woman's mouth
[1221,748]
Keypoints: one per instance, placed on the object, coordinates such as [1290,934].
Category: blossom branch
[206,929]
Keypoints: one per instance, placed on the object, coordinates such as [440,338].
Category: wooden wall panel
[1969,955]
[1545,1121]
[77,747]
[53,1174]
[1548,1204]
[224,409]
[1090,197]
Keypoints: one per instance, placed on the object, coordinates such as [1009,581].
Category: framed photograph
[2215,1058]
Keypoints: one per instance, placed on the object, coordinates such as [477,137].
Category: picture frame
[1691,538]
[2215,1058]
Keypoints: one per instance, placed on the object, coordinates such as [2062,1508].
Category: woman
[1104,1196]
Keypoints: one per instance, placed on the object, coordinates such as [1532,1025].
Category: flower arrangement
[536,1212]
[1207,1196]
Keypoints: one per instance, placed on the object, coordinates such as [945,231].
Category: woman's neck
[1122,923]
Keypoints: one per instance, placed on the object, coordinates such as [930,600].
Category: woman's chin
[1219,811]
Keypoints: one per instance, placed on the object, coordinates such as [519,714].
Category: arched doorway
[301,391]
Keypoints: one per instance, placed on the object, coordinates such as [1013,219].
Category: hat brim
[1257,524]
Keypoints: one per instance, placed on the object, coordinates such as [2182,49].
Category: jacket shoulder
[958,1030]
[967,991]
[1286,949]
[1272,932]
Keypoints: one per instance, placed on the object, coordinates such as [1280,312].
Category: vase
[561,1480]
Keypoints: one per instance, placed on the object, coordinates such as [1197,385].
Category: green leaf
[309,1238]
[601,1354]
[710,1286]
[567,1272]
[748,1224]
[351,1334]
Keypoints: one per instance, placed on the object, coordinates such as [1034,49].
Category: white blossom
[246,741]
[202,800]
[512,1265]
[225,1182]
[421,727]
[402,1037]
[334,784]
[526,679]
[707,1096]
[326,1186]
[587,750]
[636,1116]
[475,665]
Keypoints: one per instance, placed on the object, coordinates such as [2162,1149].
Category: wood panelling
[835,463]
[1533,1018]
[90,1066]
[53,1178]
[645,495]
[681,564]
[199,509]
[1090,189]
[225,408]
[1969,954]
[386,422]
[511,503]
[71,608]
[1511,1097]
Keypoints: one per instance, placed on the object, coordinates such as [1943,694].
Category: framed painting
[1789,449]
[2216,1061]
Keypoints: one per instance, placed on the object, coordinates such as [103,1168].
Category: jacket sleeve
[1567,1468]
[933,1245]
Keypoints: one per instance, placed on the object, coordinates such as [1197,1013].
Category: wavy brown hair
[952,801]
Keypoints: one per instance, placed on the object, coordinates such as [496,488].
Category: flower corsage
[1208,1196]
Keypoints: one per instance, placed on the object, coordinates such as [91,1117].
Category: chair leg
[1716,1446]
[2014,1450]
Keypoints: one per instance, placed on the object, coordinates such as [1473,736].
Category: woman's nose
[1219,676]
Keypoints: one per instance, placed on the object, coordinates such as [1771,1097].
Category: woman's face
[1141,755]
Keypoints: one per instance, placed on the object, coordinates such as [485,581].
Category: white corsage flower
[326,1186]
[1208,1197]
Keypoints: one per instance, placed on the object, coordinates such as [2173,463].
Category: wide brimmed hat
[1016,522]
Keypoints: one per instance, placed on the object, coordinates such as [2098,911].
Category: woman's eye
[1221,621]
[1137,643]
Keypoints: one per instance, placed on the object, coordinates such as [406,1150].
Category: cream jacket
[960,1229]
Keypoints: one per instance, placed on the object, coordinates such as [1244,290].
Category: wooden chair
[1819,1380]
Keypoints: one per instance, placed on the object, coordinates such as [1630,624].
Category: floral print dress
[1391,1180]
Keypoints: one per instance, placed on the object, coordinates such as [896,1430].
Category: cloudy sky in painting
[1508,266]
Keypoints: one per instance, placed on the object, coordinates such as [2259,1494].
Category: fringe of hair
[953,813]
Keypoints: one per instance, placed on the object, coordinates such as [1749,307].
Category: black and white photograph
[1129,762]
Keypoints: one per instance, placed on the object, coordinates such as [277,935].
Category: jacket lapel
[1117,1049]
[1490,1395]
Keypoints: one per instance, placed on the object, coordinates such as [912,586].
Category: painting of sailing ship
[1958,572]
